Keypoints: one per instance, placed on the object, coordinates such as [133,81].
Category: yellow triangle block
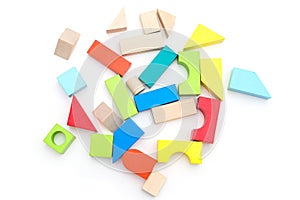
[119,23]
[167,20]
[203,37]
[211,76]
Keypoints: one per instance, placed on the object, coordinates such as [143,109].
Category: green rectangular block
[101,145]
[121,97]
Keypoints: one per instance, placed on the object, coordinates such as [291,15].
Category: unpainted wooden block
[119,24]
[202,37]
[66,43]
[149,22]
[101,145]
[166,148]
[167,20]
[210,110]
[176,110]
[154,183]
[49,139]
[141,43]
[106,116]
[109,58]
[190,60]
[121,97]
[211,76]
[135,85]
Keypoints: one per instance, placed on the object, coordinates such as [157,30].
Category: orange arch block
[139,163]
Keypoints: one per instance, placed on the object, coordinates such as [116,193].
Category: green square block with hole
[49,139]
[101,145]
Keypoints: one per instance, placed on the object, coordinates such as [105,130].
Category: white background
[257,156]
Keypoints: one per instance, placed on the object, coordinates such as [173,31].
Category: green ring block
[190,60]
[49,139]
[101,145]
[121,97]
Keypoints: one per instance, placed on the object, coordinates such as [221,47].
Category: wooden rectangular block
[135,85]
[158,66]
[121,97]
[149,22]
[106,116]
[66,43]
[141,43]
[109,58]
[154,183]
[176,110]
[156,97]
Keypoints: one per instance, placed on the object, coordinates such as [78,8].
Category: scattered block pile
[166,103]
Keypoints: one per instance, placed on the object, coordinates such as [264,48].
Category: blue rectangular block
[156,97]
[158,66]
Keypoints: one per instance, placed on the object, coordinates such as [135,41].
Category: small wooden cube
[154,183]
[135,85]
[66,43]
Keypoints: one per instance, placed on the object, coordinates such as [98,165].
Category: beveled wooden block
[167,20]
[149,22]
[106,116]
[66,43]
[176,110]
[141,43]
[154,183]
[119,24]
[135,85]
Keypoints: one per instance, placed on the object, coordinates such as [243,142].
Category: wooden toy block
[49,139]
[66,43]
[211,76]
[106,116]
[109,58]
[176,110]
[138,163]
[149,22]
[71,81]
[78,117]
[156,97]
[124,137]
[158,66]
[210,109]
[167,20]
[190,60]
[247,82]
[119,24]
[121,97]
[154,183]
[135,85]
[202,37]
[101,145]
[141,43]
[166,148]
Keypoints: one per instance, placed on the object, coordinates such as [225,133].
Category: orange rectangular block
[109,58]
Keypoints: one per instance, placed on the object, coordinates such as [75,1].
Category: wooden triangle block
[119,24]
[167,20]
[202,37]
[78,118]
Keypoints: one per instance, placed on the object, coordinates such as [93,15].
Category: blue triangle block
[124,137]
[247,82]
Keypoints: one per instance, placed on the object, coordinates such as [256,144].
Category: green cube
[101,145]
[49,139]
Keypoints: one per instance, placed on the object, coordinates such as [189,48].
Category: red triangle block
[78,118]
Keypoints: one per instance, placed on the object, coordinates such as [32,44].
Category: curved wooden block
[210,109]
[166,148]
[190,60]
[139,163]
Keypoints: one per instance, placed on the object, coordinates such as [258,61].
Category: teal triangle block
[247,82]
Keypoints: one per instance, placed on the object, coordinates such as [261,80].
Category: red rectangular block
[109,58]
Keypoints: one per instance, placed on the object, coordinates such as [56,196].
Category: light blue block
[124,137]
[247,82]
[158,66]
[71,81]
[156,97]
